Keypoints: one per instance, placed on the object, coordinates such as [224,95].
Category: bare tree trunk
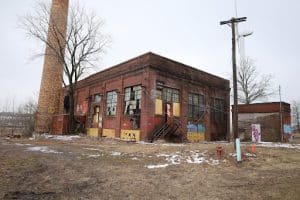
[77,50]
[72,110]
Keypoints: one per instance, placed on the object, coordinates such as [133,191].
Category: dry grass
[108,169]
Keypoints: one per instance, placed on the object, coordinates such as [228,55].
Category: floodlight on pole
[241,42]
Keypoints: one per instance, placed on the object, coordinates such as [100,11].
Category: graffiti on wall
[196,132]
[287,129]
[130,135]
[256,132]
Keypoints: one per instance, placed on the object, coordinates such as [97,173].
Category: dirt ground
[85,168]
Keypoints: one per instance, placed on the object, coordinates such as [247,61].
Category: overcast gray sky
[187,31]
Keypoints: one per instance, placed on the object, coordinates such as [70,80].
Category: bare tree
[296,114]
[252,85]
[78,52]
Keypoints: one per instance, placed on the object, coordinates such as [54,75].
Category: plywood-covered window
[96,114]
[196,106]
[111,103]
[132,100]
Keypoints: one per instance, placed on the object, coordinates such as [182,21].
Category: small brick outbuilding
[273,117]
[151,96]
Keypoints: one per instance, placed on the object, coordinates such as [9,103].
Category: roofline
[115,66]
[273,102]
[151,54]
[188,66]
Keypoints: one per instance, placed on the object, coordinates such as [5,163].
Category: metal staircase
[165,129]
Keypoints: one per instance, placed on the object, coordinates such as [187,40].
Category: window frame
[196,106]
[111,102]
[132,100]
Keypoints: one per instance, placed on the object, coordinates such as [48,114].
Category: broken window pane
[97,98]
[111,103]
[132,100]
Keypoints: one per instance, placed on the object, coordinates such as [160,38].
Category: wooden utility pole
[280,114]
[232,23]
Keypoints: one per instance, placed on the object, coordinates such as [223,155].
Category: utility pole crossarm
[234,20]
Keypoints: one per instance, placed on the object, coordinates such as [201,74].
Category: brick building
[151,96]
[269,117]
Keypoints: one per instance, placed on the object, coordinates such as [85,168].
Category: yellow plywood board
[195,137]
[110,133]
[158,107]
[176,109]
[130,135]
[93,132]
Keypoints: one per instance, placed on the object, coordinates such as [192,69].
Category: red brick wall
[145,71]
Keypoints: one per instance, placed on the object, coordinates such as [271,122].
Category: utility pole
[232,22]
[280,114]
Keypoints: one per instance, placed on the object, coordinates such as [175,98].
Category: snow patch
[94,156]
[63,137]
[162,155]
[146,143]
[173,145]
[174,159]
[195,159]
[19,144]
[278,145]
[212,161]
[114,153]
[92,149]
[156,166]
[42,149]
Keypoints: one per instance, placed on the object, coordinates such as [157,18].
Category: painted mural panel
[130,135]
[110,133]
[158,107]
[256,132]
[196,132]
[195,137]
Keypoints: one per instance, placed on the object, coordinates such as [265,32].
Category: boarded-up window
[96,114]
[158,107]
[176,109]
[111,103]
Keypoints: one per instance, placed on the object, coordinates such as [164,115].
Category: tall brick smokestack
[51,83]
